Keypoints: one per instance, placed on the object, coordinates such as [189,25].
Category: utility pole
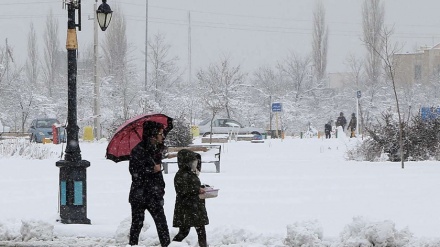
[7,61]
[146,46]
[358,96]
[189,48]
[270,114]
[96,105]
[189,57]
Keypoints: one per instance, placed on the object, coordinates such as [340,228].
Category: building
[338,80]
[419,67]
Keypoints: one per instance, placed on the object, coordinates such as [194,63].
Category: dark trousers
[201,234]
[137,221]
[328,134]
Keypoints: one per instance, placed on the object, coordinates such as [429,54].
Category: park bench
[209,154]
[12,135]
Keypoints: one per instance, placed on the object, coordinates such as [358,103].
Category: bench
[209,153]
[11,135]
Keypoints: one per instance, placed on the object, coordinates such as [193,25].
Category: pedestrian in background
[328,130]
[352,125]
[148,187]
[190,210]
[341,121]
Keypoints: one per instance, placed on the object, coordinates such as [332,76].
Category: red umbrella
[129,134]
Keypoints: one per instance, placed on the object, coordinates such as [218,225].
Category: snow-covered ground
[277,193]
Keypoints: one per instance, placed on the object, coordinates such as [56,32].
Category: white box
[209,193]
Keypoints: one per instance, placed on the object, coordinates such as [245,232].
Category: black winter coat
[147,186]
[189,210]
[327,128]
[341,121]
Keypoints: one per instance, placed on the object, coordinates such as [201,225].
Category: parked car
[42,128]
[225,126]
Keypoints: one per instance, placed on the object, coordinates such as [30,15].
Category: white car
[226,126]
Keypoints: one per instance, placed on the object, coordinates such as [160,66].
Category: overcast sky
[251,32]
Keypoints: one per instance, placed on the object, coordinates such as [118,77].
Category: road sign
[358,94]
[277,107]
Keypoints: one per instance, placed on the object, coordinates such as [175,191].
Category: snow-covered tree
[296,74]
[355,82]
[123,90]
[32,66]
[386,54]
[222,87]
[373,14]
[52,56]
[268,88]
[320,41]
[163,73]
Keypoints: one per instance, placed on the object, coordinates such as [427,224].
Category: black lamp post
[72,180]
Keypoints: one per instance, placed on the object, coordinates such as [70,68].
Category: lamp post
[72,179]
[102,17]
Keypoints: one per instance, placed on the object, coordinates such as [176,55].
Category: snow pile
[123,231]
[178,244]
[36,230]
[232,235]
[9,230]
[235,236]
[26,230]
[304,234]
[362,232]
[340,134]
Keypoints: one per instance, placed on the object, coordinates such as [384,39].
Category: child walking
[189,210]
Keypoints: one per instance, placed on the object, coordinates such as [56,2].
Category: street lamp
[103,16]
[72,179]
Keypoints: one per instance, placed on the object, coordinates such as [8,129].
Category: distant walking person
[341,121]
[328,130]
[190,210]
[352,125]
[147,186]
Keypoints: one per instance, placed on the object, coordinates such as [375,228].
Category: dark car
[42,128]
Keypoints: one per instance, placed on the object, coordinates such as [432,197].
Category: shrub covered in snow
[421,140]
[304,234]
[22,147]
[364,233]
[180,135]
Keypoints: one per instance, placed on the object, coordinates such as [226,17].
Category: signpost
[358,96]
[277,107]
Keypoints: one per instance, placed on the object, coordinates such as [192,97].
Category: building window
[417,72]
